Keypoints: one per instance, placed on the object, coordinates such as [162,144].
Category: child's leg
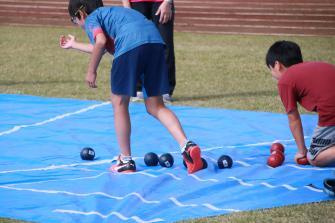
[190,151]
[155,107]
[322,150]
[122,122]
[325,158]
[122,128]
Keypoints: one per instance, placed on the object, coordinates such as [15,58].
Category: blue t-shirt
[124,28]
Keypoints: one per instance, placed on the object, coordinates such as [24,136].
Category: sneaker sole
[197,164]
[111,169]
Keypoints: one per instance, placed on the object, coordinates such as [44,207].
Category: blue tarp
[43,179]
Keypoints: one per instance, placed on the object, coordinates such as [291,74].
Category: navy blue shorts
[145,63]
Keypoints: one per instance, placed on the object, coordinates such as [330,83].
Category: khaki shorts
[323,138]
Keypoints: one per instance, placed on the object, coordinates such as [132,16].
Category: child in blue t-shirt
[138,52]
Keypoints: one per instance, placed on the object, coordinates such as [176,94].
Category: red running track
[270,17]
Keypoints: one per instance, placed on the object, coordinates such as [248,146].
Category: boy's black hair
[286,52]
[87,5]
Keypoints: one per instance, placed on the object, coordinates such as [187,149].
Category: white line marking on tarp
[83,194]
[241,181]
[314,189]
[289,187]
[308,167]
[117,214]
[174,176]
[268,185]
[219,209]
[173,199]
[53,167]
[55,180]
[242,163]
[178,203]
[202,180]
[18,127]
[251,144]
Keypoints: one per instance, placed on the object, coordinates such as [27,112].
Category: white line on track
[117,214]
[19,127]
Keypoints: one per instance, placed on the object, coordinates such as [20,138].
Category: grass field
[212,71]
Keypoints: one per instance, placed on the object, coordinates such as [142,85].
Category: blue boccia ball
[166,160]
[87,153]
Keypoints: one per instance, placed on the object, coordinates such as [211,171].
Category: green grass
[212,70]
[226,71]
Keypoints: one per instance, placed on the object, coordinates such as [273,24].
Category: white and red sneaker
[121,166]
[192,158]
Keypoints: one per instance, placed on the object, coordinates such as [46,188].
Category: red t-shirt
[312,84]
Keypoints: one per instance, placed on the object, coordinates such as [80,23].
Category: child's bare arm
[97,53]
[297,132]
[70,42]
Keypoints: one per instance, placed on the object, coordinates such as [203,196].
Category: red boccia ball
[279,153]
[303,161]
[275,160]
[277,146]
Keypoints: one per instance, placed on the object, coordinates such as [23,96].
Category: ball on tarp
[87,153]
[303,161]
[225,161]
[277,147]
[275,160]
[151,159]
[329,186]
[166,160]
[279,153]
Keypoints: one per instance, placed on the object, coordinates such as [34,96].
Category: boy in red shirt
[311,84]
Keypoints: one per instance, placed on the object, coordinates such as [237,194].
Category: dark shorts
[145,63]
[322,139]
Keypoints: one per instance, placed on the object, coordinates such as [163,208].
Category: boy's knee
[316,162]
[119,100]
[320,162]
[151,110]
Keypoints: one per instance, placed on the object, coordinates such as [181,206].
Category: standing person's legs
[155,107]
[126,71]
[122,126]
[166,31]
[145,9]
[156,84]
[122,122]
